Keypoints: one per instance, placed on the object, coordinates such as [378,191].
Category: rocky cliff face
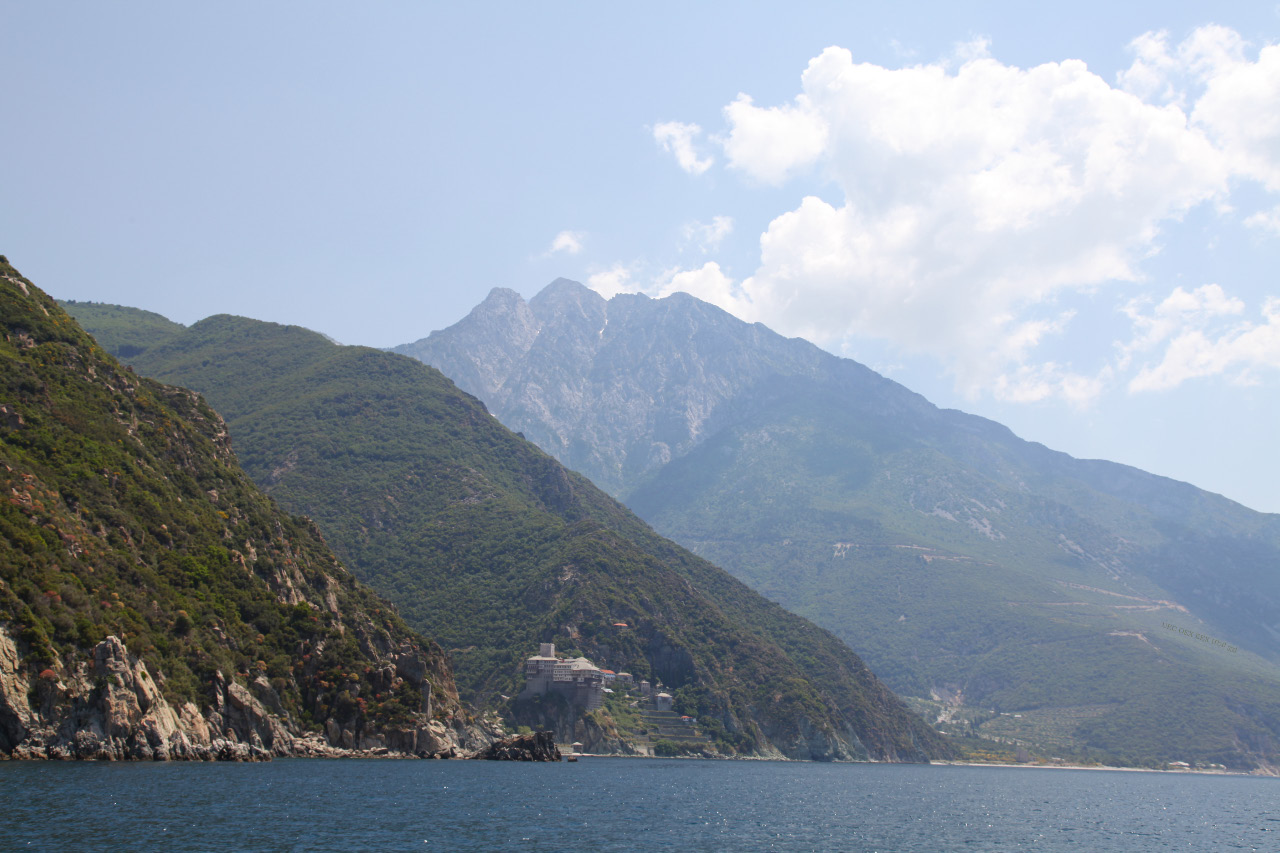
[615,389]
[537,746]
[110,708]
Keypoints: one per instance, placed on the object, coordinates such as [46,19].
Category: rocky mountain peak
[501,301]
[646,378]
[564,293]
[495,336]
[567,305]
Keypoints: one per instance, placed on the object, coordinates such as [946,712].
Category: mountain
[491,546]
[154,603]
[1072,605]
[586,382]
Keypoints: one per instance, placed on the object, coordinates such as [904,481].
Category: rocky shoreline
[109,708]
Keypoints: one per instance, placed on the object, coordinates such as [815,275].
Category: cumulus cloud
[1229,97]
[1194,338]
[569,242]
[707,236]
[773,143]
[970,197]
[978,195]
[1179,311]
[677,139]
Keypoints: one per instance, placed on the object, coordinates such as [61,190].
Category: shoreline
[1264,773]
[1108,767]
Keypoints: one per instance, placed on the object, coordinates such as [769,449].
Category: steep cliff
[154,603]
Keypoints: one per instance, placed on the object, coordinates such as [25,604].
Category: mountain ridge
[824,486]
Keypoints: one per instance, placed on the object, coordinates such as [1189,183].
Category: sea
[625,804]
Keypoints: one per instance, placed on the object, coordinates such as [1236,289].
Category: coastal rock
[111,709]
[596,732]
[537,746]
[16,718]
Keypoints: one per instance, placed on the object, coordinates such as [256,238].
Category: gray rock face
[566,724]
[615,389]
[16,715]
[111,709]
[503,327]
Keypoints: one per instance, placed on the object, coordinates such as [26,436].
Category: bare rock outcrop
[110,708]
[536,746]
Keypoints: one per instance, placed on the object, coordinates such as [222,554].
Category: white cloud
[677,138]
[1232,100]
[772,144]
[1199,342]
[612,281]
[977,48]
[1028,384]
[977,195]
[708,283]
[1180,311]
[567,241]
[1265,220]
[707,236]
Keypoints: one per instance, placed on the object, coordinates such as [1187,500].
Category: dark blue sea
[625,804]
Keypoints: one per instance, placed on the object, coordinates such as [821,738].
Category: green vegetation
[489,545]
[119,330]
[671,749]
[962,562]
[124,512]
[929,555]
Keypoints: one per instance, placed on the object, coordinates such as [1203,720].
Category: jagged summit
[565,298]
[506,325]
[499,302]
[566,288]
[616,388]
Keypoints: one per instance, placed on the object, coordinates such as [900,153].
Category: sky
[1064,218]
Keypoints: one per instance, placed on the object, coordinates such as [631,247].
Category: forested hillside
[154,603]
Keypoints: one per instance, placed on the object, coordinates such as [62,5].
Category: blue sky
[1066,219]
